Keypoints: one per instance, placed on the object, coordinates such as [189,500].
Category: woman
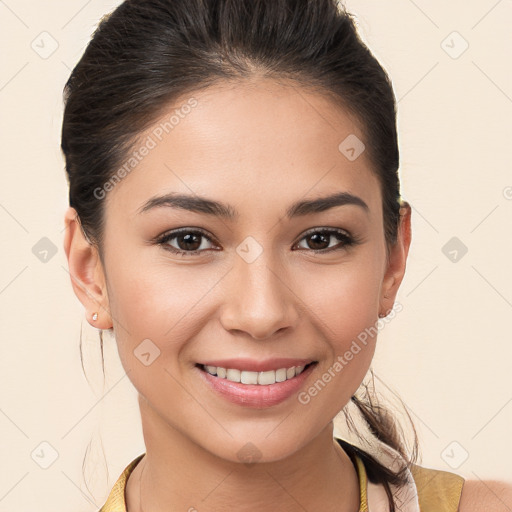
[236,222]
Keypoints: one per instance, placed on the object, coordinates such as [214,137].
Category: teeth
[232,375]
[212,370]
[248,377]
[261,378]
[267,377]
[281,375]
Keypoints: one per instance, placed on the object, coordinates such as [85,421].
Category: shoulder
[488,495]
[436,487]
[438,490]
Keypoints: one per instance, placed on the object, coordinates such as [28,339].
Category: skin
[492,495]
[258,146]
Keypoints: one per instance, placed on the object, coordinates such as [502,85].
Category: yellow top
[438,491]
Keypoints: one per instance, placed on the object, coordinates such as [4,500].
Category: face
[263,276]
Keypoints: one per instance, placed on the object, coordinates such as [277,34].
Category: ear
[397,261]
[86,272]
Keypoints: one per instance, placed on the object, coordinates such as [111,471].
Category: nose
[259,300]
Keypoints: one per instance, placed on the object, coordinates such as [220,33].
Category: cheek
[346,300]
[344,304]
[152,322]
[158,303]
[345,308]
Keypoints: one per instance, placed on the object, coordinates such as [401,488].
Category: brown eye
[320,240]
[186,242]
[189,242]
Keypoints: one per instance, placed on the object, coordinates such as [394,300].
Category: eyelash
[347,240]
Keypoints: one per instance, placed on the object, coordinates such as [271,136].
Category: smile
[250,388]
[259,378]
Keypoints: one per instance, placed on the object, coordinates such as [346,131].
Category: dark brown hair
[147,54]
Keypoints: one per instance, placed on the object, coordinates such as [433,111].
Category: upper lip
[252,365]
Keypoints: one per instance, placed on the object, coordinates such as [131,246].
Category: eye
[320,240]
[188,241]
[193,242]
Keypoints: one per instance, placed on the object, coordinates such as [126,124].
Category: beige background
[448,354]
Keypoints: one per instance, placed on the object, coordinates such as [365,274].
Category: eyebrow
[215,208]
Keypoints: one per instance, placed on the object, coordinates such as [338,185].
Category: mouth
[258,378]
[256,389]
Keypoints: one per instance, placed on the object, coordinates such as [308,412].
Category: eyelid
[174,233]
[324,229]
[349,238]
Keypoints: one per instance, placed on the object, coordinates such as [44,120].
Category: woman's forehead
[249,140]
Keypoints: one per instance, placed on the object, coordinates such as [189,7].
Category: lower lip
[254,395]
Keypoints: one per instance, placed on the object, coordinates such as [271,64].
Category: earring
[94,317]
[382,315]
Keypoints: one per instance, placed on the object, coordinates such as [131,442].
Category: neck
[178,474]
